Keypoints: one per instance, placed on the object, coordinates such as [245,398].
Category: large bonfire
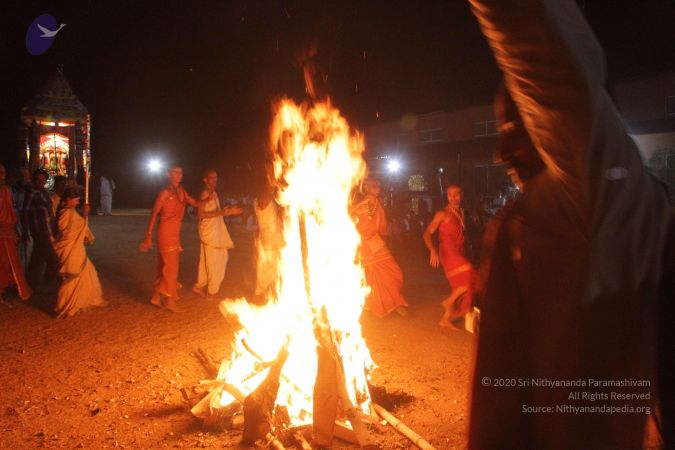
[304,348]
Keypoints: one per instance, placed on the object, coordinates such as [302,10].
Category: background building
[648,107]
[419,155]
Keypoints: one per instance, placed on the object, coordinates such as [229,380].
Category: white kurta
[107,187]
[215,241]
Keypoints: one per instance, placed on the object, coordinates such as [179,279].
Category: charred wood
[259,405]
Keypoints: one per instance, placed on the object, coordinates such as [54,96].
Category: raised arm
[203,214]
[197,203]
[191,201]
[554,69]
[201,206]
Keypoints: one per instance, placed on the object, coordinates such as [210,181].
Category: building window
[417,183]
[670,106]
[401,140]
[485,128]
[491,127]
[488,179]
[431,135]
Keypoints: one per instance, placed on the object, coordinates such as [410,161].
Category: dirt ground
[112,377]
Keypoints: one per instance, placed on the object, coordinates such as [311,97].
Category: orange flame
[317,162]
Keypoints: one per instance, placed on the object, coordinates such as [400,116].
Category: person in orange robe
[170,207]
[449,222]
[11,271]
[383,274]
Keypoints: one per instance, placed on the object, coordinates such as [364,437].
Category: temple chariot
[56,130]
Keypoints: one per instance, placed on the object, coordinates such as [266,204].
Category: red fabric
[385,279]
[168,243]
[383,274]
[170,219]
[11,271]
[166,282]
[457,268]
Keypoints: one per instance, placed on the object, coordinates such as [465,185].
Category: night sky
[194,81]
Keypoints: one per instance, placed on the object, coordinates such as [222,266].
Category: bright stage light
[154,166]
[393,166]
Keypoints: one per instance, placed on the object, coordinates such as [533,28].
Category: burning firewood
[319,297]
[259,405]
[330,388]
[301,441]
[330,393]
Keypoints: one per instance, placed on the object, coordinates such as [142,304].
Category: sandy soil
[112,377]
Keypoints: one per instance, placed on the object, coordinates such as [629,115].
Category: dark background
[193,82]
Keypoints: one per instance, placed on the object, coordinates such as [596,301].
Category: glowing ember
[317,162]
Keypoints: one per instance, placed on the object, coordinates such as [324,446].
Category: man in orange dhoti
[11,271]
[214,238]
[449,222]
[383,274]
[170,207]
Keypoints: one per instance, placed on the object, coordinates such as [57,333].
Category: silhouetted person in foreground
[575,276]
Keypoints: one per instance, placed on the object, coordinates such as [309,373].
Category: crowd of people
[44,232]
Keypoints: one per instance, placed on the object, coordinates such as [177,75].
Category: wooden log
[203,408]
[209,365]
[264,365]
[332,362]
[325,401]
[339,430]
[344,432]
[259,405]
[274,442]
[327,353]
[241,397]
[301,441]
[251,351]
[354,415]
[402,428]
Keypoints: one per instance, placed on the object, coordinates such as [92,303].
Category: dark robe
[575,276]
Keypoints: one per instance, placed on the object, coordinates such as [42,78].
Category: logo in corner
[41,34]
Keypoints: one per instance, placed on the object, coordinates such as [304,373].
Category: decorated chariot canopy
[56,129]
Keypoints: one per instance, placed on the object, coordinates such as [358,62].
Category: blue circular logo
[41,34]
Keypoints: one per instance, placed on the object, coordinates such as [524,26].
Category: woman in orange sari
[449,222]
[383,274]
[170,207]
[80,288]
